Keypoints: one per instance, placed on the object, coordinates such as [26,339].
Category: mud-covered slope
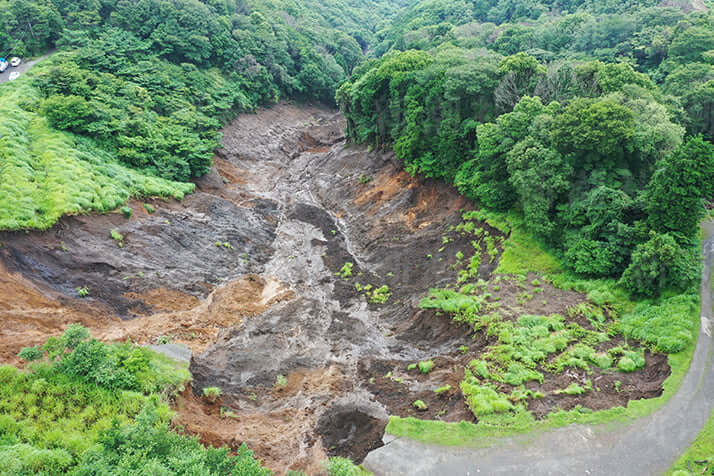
[337,205]
[286,206]
[247,273]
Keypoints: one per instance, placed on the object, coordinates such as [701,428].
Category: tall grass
[45,173]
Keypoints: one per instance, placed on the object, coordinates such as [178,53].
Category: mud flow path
[250,273]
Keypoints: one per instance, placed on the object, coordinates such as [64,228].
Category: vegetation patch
[699,458]
[84,407]
[506,385]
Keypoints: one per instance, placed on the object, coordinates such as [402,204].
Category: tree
[540,176]
[675,193]
[596,133]
[658,264]
[70,113]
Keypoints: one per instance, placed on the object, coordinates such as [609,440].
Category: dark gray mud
[245,273]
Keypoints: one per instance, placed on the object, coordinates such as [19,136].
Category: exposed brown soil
[244,272]
[645,383]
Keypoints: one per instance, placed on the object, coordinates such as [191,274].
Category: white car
[14,75]
[15,62]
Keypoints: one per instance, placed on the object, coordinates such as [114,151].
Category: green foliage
[483,400]
[80,413]
[45,174]
[30,354]
[677,188]
[126,211]
[346,271]
[212,393]
[149,445]
[465,308]
[116,236]
[338,466]
[572,389]
[420,405]
[83,291]
[379,295]
[658,264]
[149,208]
[668,324]
[426,366]
[442,389]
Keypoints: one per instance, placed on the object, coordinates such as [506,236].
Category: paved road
[647,446]
[24,66]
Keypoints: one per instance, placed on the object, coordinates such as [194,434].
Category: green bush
[668,324]
[30,354]
[658,264]
[420,405]
[426,366]
[483,400]
[212,393]
[126,211]
[338,466]
[150,447]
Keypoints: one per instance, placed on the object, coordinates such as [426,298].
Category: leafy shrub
[626,364]
[338,466]
[572,389]
[420,405]
[658,264]
[83,291]
[346,271]
[483,400]
[149,446]
[149,208]
[464,308]
[126,211]
[116,236]
[668,324]
[426,366]
[212,393]
[30,354]
[380,295]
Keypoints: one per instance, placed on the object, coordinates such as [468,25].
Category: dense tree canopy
[576,117]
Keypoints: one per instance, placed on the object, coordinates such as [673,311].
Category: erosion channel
[249,272]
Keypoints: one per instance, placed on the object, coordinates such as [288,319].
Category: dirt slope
[245,272]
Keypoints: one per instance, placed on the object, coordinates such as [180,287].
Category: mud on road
[245,272]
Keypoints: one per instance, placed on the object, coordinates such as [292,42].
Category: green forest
[591,122]
[601,140]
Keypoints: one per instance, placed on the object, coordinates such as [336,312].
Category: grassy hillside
[46,173]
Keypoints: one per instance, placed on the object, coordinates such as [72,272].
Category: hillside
[449,222]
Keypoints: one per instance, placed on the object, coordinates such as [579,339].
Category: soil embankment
[246,273]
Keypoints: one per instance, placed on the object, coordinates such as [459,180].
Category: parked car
[15,62]
[3,65]
[13,75]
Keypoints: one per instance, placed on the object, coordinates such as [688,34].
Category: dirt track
[244,272]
